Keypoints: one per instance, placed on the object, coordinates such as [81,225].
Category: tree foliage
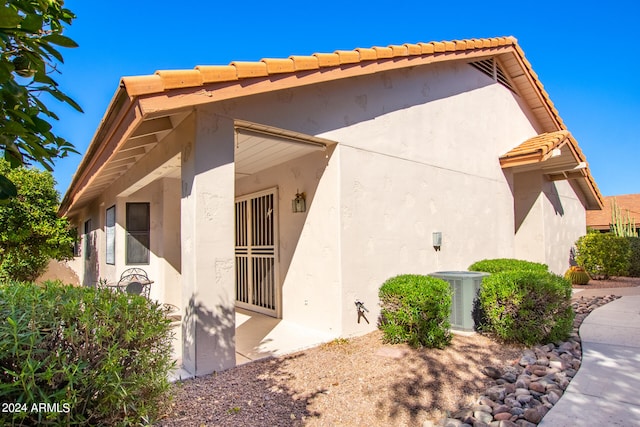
[31,233]
[30,35]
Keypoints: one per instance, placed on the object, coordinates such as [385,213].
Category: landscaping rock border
[524,392]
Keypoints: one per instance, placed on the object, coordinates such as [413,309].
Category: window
[138,233]
[76,243]
[87,239]
[110,233]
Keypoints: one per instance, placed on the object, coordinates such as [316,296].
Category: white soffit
[259,147]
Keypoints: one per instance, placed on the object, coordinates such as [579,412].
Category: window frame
[136,234]
[87,239]
[110,235]
[75,247]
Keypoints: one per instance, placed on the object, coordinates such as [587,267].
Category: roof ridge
[163,80]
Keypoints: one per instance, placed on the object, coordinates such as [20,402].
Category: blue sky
[585,53]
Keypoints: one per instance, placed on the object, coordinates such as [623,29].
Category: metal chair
[135,281]
[138,272]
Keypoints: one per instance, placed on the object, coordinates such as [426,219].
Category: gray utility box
[464,287]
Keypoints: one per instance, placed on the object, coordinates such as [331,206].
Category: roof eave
[97,153]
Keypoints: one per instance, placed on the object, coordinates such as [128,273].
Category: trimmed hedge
[415,310]
[506,264]
[634,258]
[527,307]
[604,255]
[101,357]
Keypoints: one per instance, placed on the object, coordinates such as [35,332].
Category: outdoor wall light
[437,240]
[299,203]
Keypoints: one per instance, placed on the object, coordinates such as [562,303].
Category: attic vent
[492,68]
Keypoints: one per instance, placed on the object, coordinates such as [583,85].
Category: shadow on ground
[440,384]
[259,396]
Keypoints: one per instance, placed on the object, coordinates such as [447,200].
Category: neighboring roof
[147,107]
[601,220]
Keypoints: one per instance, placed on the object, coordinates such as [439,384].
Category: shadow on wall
[526,190]
[214,332]
[551,192]
[91,267]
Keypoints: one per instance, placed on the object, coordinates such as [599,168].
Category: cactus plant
[620,226]
[577,275]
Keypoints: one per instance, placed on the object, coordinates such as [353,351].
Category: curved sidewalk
[604,392]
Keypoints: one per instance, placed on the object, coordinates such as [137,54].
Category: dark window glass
[87,239]
[138,233]
[76,244]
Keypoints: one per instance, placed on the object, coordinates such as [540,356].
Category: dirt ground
[360,381]
[613,282]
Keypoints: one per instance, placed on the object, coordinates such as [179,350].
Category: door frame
[277,312]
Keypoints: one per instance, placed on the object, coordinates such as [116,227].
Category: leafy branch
[30,35]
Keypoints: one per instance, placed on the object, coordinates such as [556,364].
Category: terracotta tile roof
[627,202]
[541,148]
[145,85]
[536,149]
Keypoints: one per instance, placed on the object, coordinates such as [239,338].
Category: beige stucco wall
[309,260]
[550,217]
[87,269]
[417,152]
[424,168]
[207,236]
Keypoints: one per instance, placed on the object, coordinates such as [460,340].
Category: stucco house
[296,186]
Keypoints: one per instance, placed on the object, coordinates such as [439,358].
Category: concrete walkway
[604,392]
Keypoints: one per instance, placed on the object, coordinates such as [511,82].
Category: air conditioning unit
[465,286]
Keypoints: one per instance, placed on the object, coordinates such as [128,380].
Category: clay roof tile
[250,69]
[327,59]
[305,62]
[348,56]
[279,65]
[173,79]
[217,73]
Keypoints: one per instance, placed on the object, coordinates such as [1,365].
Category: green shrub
[527,307]
[102,357]
[634,258]
[603,255]
[506,264]
[415,310]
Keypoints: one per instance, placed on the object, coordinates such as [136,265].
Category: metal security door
[256,252]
